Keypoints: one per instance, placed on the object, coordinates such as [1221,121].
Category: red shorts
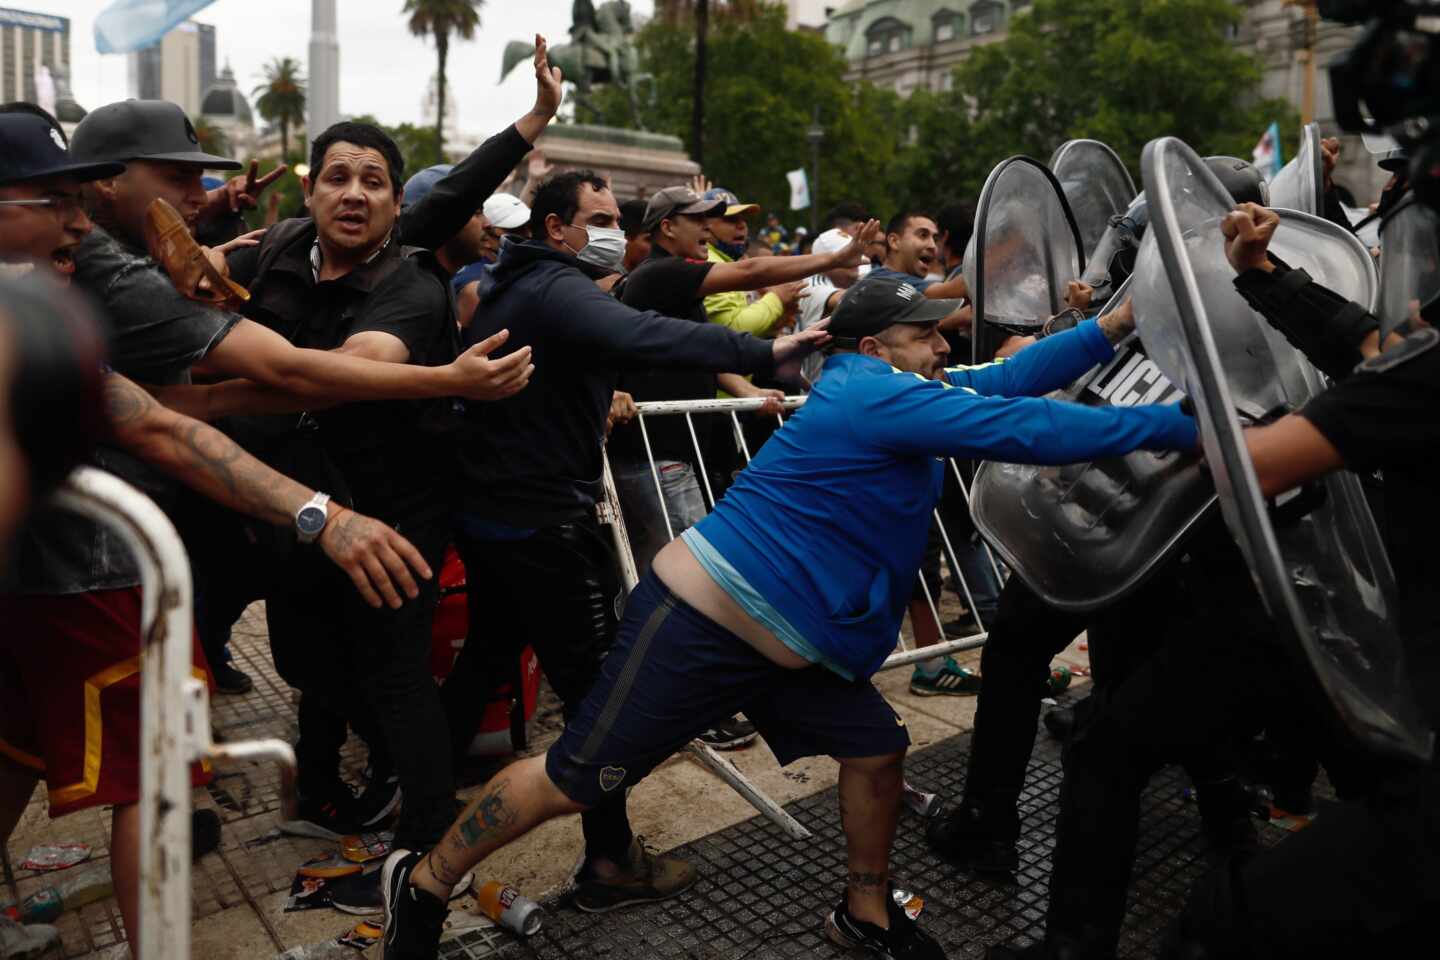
[70,695]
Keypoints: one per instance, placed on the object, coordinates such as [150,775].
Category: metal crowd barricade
[610,512]
[174,706]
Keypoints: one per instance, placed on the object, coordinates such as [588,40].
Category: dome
[223,99]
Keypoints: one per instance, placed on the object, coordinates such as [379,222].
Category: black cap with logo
[143,130]
[31,149]
[879,302]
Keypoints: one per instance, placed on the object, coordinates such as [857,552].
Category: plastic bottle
[510,908]
[71,891]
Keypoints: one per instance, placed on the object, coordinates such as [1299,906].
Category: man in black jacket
[531,474]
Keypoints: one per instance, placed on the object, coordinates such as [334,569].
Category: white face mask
[604,248]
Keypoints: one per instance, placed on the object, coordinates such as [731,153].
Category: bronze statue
[600,51]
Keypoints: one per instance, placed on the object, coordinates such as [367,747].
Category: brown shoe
[649,877]
[190,268]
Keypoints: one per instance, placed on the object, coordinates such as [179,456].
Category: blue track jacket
[829,521]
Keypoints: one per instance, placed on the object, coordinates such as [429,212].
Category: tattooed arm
[375,557]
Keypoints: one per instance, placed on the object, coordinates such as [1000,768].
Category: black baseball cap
[30,149]
[875,303]
[143,130]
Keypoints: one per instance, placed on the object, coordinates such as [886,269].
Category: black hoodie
[533,460]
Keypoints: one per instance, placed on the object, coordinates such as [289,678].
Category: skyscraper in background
[28,41]
[322,93]
[180,68]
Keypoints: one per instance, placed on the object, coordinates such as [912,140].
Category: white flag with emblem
[799,189]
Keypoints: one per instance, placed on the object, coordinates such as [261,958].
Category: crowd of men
[327,406]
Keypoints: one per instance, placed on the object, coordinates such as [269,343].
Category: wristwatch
[310,518]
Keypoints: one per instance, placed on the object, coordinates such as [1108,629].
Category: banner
[799,189]
[128,25]
[1267,153]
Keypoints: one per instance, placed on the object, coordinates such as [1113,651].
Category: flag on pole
[128,25]
[799,189]
[1267,153]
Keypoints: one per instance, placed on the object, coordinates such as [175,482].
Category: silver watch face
[310,521]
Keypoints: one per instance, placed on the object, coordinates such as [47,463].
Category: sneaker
[964,837]
[729,734]
[649,877]
[414,919]
[327,816]
[961,627]
[231,681]
[360,894]
[950,680]
[1061,723]
[903,941]
[378,804]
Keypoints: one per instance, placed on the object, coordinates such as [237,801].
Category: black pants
[371,668]
[1163,709]
[556,591]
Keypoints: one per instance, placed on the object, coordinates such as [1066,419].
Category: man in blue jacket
[736,615]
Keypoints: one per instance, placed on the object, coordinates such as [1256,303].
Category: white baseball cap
[831,241]
[506,212]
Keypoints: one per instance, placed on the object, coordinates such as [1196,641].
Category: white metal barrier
[174,707]
[610,512]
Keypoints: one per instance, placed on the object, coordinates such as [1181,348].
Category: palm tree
[212,138]
[440,18]
[281,98]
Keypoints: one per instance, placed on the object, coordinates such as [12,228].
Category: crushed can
[911,903]
[510,908]
[922,804]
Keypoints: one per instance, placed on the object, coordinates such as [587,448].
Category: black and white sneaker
[903,941]
[378,804]
[326,815]
[414,919]
[729,734]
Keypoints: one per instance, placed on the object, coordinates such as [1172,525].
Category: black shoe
[1227,819]
[903,941]
[325,815]
[1045,950]
[204,833]
[963,837]
[1061,723]
[414,919]
[729,734]
[962,626]
[232,681]
[359,893]
[378,804]
[646,878]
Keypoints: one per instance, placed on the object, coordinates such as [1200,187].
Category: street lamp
[816,135]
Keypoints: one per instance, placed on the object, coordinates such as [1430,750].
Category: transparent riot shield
[1300,184]
[1316,554]
[1409,264]
[1096,184]
[1024,250]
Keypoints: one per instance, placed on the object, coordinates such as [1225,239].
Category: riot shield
[1316,554]
[1024,250]
[1409,264]
[1084,535]
[1096,184]
[1300,184]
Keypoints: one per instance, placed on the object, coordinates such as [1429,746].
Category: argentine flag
[128,25]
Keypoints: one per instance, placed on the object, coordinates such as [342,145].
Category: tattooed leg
[518,799]
[870,790]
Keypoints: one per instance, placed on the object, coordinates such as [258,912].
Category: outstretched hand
[481,378]
[1248,229]
[548,81]
[377,559]
[854,252]
[793,348]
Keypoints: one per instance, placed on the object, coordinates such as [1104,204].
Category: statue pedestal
[635,162]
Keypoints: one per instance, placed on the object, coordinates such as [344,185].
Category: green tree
[1120,71]
[761,85]
[281,97]
[212,138]
[440,18]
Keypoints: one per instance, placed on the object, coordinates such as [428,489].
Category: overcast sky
[383,69]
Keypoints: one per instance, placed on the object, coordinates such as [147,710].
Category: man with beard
[737,615]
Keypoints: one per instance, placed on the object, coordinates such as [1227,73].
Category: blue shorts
[673,672]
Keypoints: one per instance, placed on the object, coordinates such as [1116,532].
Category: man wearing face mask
[530,476]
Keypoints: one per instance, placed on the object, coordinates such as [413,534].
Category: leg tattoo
[488,818]
[865,882]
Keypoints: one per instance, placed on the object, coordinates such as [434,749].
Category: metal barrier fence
[174,707]
[610,512]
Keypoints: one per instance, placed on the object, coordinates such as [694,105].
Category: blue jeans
[684,504]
